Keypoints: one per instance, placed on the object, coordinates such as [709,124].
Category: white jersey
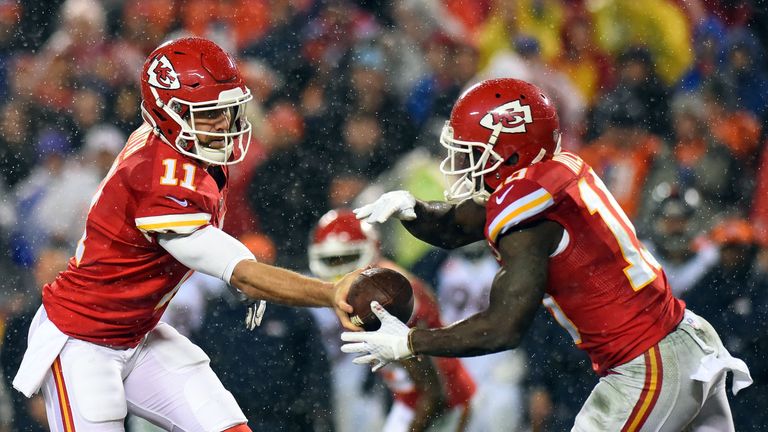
[464,288]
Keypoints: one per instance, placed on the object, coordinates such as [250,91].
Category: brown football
[388,287]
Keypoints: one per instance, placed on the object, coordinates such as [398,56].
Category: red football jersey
[457,382]
[604,287]
[120,280]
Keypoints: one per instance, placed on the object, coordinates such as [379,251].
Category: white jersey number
[642,266]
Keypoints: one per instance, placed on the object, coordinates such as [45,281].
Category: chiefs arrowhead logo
[510,118]
[162,74]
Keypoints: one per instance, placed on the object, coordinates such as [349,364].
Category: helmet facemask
[187,115]
[335,257]
[466,165]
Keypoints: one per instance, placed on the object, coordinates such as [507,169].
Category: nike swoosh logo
[182,203]
[501,197]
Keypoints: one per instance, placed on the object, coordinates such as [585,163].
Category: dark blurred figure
[288,189]
[10,17]
[287,388]
[639,88]
[672,238]
[125,108]
[434,93]
[734,297]
[744,72]
[29,413]
[369,92]
[17,153]
[702,161]
[626,156]
[281,47]
[364,149]
[559,376]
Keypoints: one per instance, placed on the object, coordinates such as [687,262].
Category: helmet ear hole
[512,160]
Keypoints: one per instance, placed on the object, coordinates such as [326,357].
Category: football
[388,287]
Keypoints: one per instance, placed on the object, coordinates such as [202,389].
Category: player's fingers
[259,314]
[346,322]
[342,290]
[362,212]
[364,360]
[249,318]
[381,214]
[379,310]
[353,337]
[408,214]
[358,347]
[346,307]
[378,366]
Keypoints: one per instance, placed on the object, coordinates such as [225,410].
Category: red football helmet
[342,243]
[497,127]
[188,79]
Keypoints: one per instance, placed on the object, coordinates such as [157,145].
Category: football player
[96,346]
[562,241]
[434,393]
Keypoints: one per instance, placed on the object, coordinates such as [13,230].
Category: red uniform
[120,281]
[603,285]
[458,384]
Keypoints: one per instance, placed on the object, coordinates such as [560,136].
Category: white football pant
[166,379]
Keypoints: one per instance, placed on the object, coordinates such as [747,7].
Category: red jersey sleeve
[529,194]
[179,197]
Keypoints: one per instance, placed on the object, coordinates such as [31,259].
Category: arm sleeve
[208,250]
[515,203]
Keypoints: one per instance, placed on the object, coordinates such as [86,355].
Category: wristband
[410,341]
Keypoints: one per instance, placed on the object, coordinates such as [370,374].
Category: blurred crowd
[666,99]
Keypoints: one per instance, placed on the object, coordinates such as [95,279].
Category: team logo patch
[510,118]
[162,74]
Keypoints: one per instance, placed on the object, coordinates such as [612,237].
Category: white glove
[398,203]
[255,314]
[388,343]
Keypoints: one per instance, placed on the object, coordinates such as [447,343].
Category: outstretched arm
[439,223]
[216,253]
[515,295]
[447,225]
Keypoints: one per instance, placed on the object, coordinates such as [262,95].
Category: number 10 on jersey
[642,266]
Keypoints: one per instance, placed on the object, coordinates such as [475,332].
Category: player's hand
[388,343]
[398,203]
[340,305]
[254,314]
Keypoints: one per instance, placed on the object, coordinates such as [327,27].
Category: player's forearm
[446,225]
[426,412]
[274,284]
[474,336]
[427,380]
[514,298]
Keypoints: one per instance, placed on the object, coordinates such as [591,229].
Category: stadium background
[665,98]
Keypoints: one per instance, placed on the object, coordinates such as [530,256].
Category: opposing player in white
[464,286]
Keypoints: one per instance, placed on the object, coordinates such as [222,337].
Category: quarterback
[96,347]
[562,241]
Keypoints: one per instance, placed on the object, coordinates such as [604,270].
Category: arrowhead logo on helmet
[511,117]
[162,74]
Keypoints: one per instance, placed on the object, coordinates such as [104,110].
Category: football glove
[254,314]
[398,203]
[388,343]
